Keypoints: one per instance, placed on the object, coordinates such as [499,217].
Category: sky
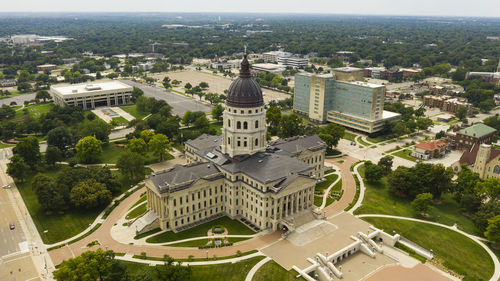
[478,8]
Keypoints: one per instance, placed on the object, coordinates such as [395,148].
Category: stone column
[285,214]
[297,202]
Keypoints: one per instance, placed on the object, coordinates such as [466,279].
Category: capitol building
[238,173]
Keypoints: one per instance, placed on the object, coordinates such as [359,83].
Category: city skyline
[484,8]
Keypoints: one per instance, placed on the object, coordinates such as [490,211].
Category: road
[18,99]
[22,252]
[180,104]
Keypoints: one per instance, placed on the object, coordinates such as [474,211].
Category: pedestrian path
[256,267]
[326,193]
[129,257]
[478,240]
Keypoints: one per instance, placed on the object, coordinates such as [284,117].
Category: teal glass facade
[301,96]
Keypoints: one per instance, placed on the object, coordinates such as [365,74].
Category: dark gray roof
[205,141]
[267,167]
[296,145]
[244,91]
[180,177]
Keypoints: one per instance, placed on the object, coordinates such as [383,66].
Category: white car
[7,186]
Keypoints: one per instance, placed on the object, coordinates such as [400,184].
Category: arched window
[228,140]
[245,125]
[256,142]
[229,122]
[256,124]
[496,170]
[238,125]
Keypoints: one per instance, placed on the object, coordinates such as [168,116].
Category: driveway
[180,104]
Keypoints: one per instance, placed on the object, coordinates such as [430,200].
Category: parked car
[12,226]
[7,186]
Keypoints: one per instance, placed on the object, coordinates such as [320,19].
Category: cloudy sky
[483,8]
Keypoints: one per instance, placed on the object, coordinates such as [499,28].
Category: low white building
[268,67]
[294,61]
[110,93]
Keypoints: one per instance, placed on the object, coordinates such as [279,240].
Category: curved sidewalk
[103,235]
[496,273]
[256,267]
[348,185]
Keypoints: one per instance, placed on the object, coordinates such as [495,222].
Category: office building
[447,103]
[88,96]
[357,105]
[237,174]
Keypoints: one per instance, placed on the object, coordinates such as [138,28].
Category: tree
[137,145]
[169,127]
[188,86]
[43,95]
[29,149]
[422,202]
[331,134]
[440,134]
[201,122]
[96,265]
[400,129]
[60,137]
[203,85]
[97,128]
[200,94]
[490,187]
[53,155]
[169,271]
[24,87]
[136,93]
[373,173]
[400,181]
[159,145]
[217,112]
[166,82]
[147,135]
[386,164]
[187,118]
[90,194]
[461,113]
[88,149]
[131,164]
[290,125]
[47,193]
[424,123]
[17,168]
[273,117]
[492,232]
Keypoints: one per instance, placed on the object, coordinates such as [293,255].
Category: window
[496,170]
[256,124]
[239,143]
[229,122]
[256,142]
[238,125]
[245,143]
[228,140]
[245,125]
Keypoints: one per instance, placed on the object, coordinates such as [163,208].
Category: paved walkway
[326,193]
[107,242]
[129,257]
[496,274]
[348,185]
[256,267]
[361,188]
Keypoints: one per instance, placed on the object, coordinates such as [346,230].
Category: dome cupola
[244,91]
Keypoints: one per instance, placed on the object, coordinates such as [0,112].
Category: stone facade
[237,174]
[487,163]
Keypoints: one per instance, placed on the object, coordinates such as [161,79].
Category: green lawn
[378,200]
[226,271]
[377,139]
[111,153]
[234,227]
[273,271]
[193,243]
[318,200]
[132,110]
[34,110]
[136,212]
[58,226]
[325,184]
[349,136]
[405,154]
[3,145]
[361,141]
[454,250]
[119,121]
